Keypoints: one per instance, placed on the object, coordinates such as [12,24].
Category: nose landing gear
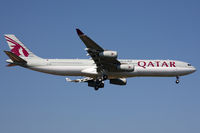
[177,79]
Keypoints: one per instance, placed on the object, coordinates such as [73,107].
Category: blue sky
[36,102]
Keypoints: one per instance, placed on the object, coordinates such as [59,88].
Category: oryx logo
[16,48]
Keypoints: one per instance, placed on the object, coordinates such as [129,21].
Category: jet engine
[126,67]
[119,81]
[108,54]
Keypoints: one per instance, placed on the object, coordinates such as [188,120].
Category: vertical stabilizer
[18,47]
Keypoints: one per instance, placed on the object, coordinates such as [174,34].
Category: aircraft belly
[61,70]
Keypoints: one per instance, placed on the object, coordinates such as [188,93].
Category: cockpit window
[189,64]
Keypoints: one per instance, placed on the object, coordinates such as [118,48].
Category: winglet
[79,32]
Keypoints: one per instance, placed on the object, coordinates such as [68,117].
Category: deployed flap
[16,59]
[79,80]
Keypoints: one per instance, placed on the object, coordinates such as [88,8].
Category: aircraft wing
[103,63]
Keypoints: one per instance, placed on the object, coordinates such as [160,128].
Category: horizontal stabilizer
[11,64]
[16,59]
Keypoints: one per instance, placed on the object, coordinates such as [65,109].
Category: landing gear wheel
[105,77]
[96,88]
[177,81]
[101,85]
[98,81]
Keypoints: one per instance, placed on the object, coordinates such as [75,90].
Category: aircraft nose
[193,69]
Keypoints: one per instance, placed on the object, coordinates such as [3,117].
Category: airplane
[103,64]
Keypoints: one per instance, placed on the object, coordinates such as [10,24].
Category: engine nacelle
[126,67]
[119,81]
[108,54]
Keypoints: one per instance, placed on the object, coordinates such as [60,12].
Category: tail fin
[18,47]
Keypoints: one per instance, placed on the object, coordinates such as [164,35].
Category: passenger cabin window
[189,64]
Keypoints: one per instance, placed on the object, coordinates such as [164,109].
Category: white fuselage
[87,67]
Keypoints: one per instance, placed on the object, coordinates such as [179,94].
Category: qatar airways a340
[102,66]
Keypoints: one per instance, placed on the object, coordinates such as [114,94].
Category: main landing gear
[177,79]
[100,82]
[97,86]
